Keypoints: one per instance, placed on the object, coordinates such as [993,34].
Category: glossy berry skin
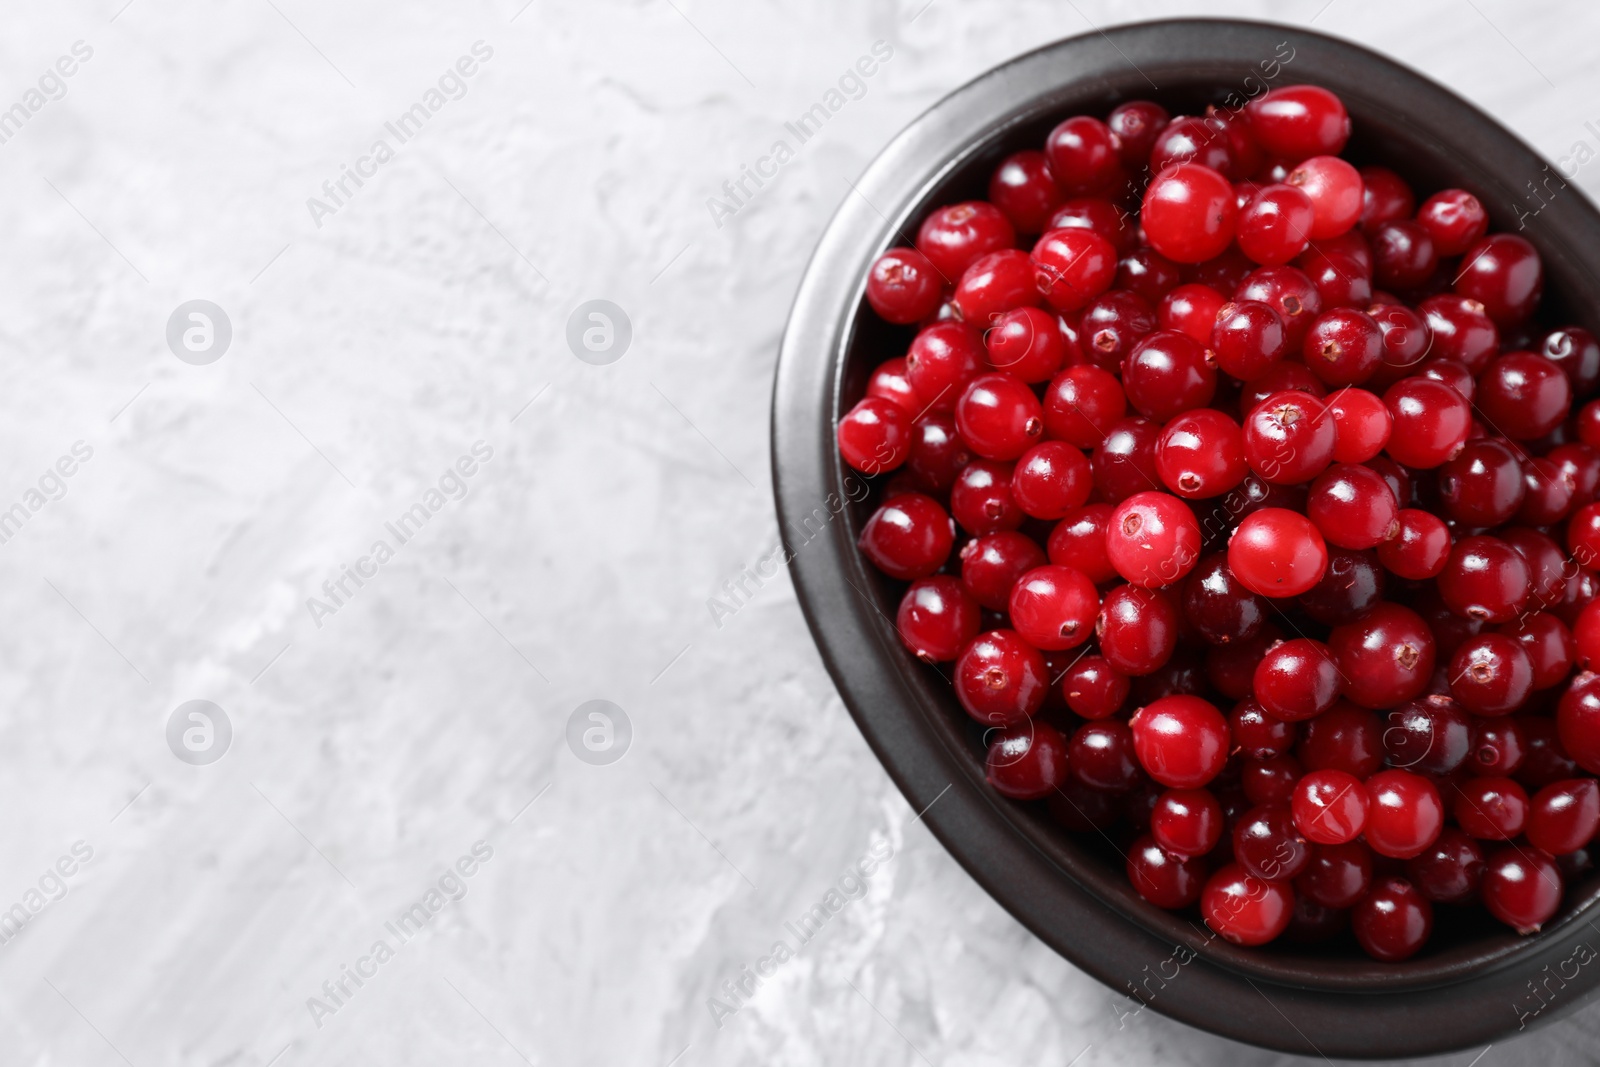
[1564,815]
[1137,629]
[1403,255]
[1484,579]
[1550,646]
[1248,339]
[1054,607]
[1026,342]
[1181,741]
[1164,878]
[1000,679]
[1343,347]
[1148,273]
[1083,155]
[1548,496]
[1499,746]
[1419,549]
[1111,324]
[1072,266]
[993,285]
[937,454]
[1270,780]
[1449,870]
[1167,374]
[1093,688]
[936,618]
[1491,675]
[1051,479]
[875,435]
[942,359]
[1521,887]
[1483,485]
[1125,463]
[1295,122]
[1289,438]
[1523,395]
[1361,425]
[1490,809]
[1334,189]
[1394,920]
[1289,292]
[1201,454]
[1136,124]
[903,287]
[1081,404]
[1583,536]
[955,236]
[1079,540]
[890,381]
[1385,658]
[1100,215]
[1218,606]
[1431,736]
[1191,309]
[1430,422]
[1330,807]
[1353,507]
[1297,680]
[1503,273]
[999,416]
[1244,909]
[1187,822]
[1454,219]
[1352,586]
[1275,224]
[1101,755]
[1188,213]
[1153,539]
[908,537]
[1188,139]
[1027,761]
[1231,668]
[1407,339]
[1268,845]
[1460,331]
[1277,553]
[1024,189]
[1385,197]
[1405,814]
[1578,721]
[1337,876]
[981,500]
[1577,352]
[991,564]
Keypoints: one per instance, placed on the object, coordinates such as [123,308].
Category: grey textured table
[400,769]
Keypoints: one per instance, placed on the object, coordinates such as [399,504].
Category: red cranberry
[1083,155]
[1577,352]
[1027,761]
[1297,121]
[1454,219]
[1403,255]
[1218,606]
[875,435]
[1491,675]
[1054,607]
[1361,425]
[1352,586]
[1550,646]
[1079,540]
[1112,324]
[1167,374]
[1430,736]
[955,236]
[993,285]
[1460,331]
[908,537]
[1187,822]
[1257,735]
[1289,438]
[1136,123]
[1288,292]
[1275,225]
[1051,479]
[1101,754]
[1277,553]
[999,417]
[1564,816]
[1191,310]
[1093,688]
[937,452]
[1491,809]
[1353,507]
[1000,678]
[1385,197]
[890,381]
[1394,920]
[1268,845]
[1231,668]
[1337,876]
[1330,807]
[1548,496]
[1521,887]
[1137,629]
[1244,909]
[1081,404]
[1421,547]
[1523,396]
[937,618]
[1153,539]
[1148,273]
[1201,454]
[1188,213]
[1073,266]
[1484,579]
[1503,273]
[981,499]
[1578,720]
[1405,813]
[1181,741]
[992,563]
[1190,139]
[1026,342]
[1248,339]
[1483,484]
[1430,422]
[1164,878]
[1125,463]
[1024,188]
[1386,658]
[903,287]
[1334,189]
[1407,338]
[940,362]
[1499,747]
[1449,870]
[1297,680]
[1270,780]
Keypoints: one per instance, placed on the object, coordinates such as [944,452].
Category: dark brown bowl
[1476,981]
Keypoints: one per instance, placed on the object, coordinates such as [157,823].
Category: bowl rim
[1423,1007]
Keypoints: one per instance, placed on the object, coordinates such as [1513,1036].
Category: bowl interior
[1386,133]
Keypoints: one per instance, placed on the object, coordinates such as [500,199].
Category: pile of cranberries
[1244,502]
